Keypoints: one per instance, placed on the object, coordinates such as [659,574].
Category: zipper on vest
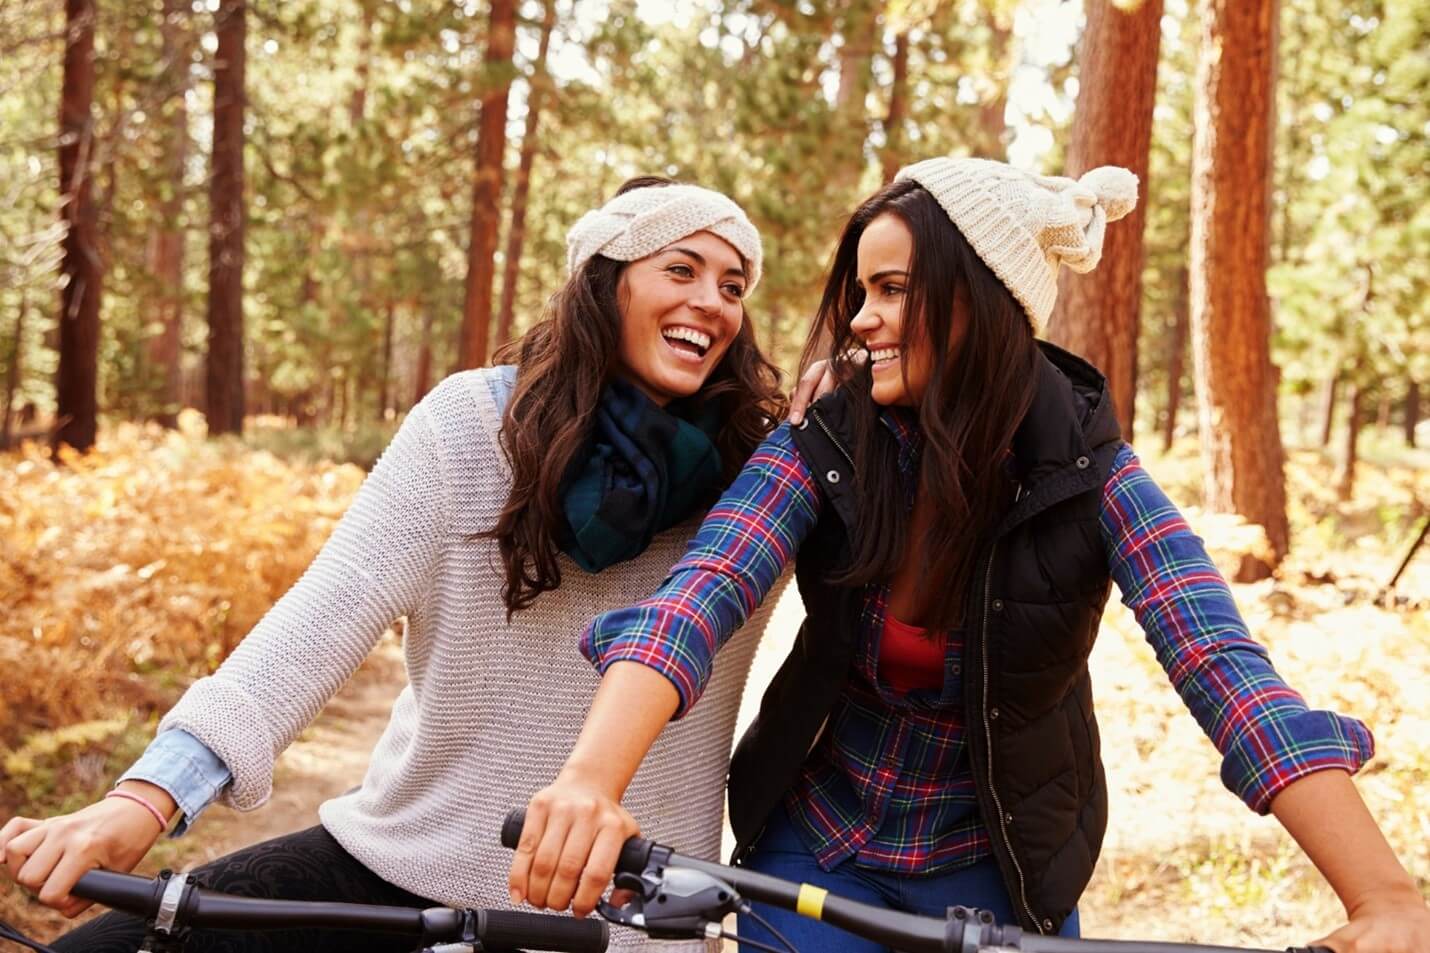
[830,434]
[988,743]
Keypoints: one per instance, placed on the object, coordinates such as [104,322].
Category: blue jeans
[781,852]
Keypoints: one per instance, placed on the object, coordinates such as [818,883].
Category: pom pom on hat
[1115,188]
[1026,226]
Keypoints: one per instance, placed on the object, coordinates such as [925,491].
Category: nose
[705,295]
[866,321]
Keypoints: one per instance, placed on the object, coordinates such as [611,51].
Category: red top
[910,657]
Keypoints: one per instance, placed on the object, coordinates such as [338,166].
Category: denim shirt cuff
[186,768]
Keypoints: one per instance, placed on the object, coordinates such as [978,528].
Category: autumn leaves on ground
[134,569]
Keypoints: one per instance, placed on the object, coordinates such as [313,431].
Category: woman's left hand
[1384,924]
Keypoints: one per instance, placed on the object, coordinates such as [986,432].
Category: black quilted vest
[1033,608]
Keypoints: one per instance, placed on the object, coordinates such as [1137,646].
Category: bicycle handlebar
[903,931]
[198,907]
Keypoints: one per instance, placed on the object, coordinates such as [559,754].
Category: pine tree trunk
[224,398]
[1176,364]
[384,397]
[1382,410]
[1231,317]
[12,373]
[893,155]
[992,115]
[424,359]
[1346,478]
[1328,405]
[516,235]
[1412,412]
[81,268]
[486,189]
[1097,314]
[166,250]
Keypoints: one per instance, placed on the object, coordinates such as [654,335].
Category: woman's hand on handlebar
[1398,923]
[49,856]
[569,845]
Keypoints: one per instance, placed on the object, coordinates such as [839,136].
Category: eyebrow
[700,259]
[879,276]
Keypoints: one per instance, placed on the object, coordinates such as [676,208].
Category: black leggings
[307,865]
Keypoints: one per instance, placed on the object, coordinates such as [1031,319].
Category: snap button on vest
[997,605]
[832,476]
[802,424]
[992,714]
[1083,462]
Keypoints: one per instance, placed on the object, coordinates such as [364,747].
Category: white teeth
[883,354]
[699,339]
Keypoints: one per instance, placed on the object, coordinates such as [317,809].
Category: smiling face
[680,309]
[900,358]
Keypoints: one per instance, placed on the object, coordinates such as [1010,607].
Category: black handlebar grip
[511,929]
[128,892]
[635,852]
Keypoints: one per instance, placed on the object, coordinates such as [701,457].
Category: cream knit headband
[1024,226]
[643,221]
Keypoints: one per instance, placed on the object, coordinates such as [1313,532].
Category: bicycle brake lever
[672,903]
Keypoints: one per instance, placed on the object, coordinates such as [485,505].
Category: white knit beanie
[643,221]
[1024,226]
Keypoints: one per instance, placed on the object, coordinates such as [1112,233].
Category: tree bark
[486,188]
[224,398]
[81,268]
[992,115]
[424,359]
[1176,364]
[516,235]
[893,155]
[12,373]
[384,397]
[166,248]
[1242,453]
[1329,393]
[1097,314]
[1412,412]
[1346,478]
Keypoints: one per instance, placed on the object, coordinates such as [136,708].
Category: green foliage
[361,134]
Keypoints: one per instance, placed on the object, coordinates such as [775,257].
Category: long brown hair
[563,363]
[974,401]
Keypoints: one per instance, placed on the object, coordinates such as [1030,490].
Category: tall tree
[166,248]
[486,187]
[1231,317]
[893,155]
[81,269]
[1098,314]
[224,378]
[516,234]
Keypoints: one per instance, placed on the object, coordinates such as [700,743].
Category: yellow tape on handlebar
[810,902]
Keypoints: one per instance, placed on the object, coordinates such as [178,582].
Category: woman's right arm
[655,658]
[375,567]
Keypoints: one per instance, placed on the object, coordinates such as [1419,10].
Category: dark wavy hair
[563,363]
[974,401]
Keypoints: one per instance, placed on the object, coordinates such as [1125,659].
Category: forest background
[238,241]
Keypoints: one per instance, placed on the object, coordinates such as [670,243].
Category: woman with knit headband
[513,504]
[956,513]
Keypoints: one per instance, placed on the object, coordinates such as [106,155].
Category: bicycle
[172,906]
[680,897]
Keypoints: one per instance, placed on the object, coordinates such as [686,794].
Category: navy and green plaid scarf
[644,469]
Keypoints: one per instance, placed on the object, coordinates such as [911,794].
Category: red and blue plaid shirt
[889,783]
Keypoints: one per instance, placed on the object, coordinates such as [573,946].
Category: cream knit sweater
[491,709]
